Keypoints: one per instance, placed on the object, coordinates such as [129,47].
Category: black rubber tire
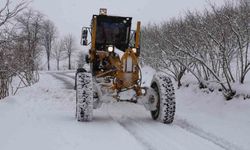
[163,86]
[84,96]
[78,71]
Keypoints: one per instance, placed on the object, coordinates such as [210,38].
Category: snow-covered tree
[58,52]
[69,46]
[49,32]
[207,45]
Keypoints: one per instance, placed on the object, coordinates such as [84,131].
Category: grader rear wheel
[166,99]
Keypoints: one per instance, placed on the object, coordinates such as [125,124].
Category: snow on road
[41,117]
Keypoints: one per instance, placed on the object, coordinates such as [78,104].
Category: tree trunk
[69,62]
[58,65]
[4,90]
[180,75]
[48,59]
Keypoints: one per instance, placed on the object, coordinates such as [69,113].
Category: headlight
[134,50]
[110,49]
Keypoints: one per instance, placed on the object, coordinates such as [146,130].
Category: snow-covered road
[41,117]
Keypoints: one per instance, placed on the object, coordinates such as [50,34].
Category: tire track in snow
[187,127]
[64,74]
[68,84]
[143,142]
[158,139]
[137,137]
[184,124]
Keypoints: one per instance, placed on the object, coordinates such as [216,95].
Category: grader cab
[115,73]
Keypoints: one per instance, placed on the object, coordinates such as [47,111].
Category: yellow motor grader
[115,73]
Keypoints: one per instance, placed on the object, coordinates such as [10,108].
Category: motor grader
[115,74]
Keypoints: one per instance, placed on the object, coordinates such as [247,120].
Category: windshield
[113,31]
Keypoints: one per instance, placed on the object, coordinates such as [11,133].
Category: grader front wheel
[84,96]
[166,99]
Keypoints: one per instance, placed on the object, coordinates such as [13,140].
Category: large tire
[84,96]
[163,86]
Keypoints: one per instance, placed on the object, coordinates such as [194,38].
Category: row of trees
[213,46]
[25,34]
[61,49]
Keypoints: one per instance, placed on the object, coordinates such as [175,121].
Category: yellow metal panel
[93,40]
[137,38]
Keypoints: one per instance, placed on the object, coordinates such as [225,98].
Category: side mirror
[84,37]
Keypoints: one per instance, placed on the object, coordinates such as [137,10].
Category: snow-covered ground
[41,117]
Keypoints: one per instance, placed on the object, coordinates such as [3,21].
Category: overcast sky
[70,15]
